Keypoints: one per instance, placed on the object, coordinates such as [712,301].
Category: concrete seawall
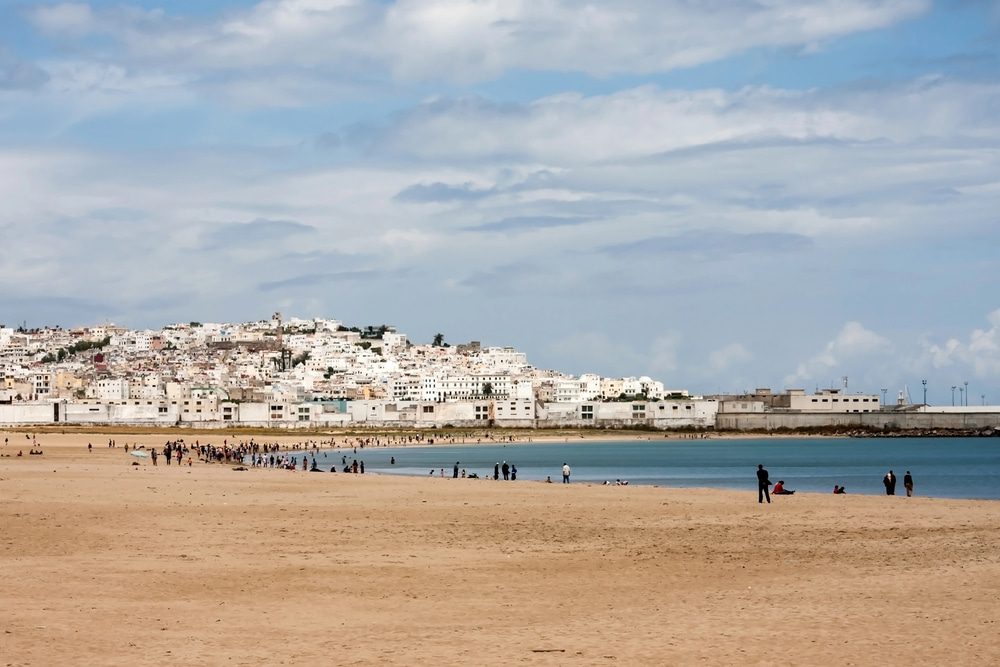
[773,421]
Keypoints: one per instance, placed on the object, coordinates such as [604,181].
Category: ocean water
[941,467]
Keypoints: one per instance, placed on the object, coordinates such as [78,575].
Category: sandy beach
[108,563]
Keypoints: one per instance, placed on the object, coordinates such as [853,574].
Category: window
[428,409]
[162,409]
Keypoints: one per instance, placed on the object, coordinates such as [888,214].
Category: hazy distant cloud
[712,243]
[528,223]
[441,192]
[255,232]
[319,279]
[67,18]
[20,75]
[728,356]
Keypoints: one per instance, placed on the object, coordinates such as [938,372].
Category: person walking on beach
[506,471]
[763,482]
[566,472]
[454,471]
[908,483]
[889,481]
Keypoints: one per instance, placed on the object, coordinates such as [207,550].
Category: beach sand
[105,563]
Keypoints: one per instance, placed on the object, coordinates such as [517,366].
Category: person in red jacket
[780,490]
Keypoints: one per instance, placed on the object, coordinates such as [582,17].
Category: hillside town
[316,372]
[320,373]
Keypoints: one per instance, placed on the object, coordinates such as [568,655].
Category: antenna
[845,382]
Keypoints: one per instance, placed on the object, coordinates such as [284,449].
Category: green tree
[438,340]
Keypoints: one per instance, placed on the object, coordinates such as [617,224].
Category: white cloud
[980,353]
[648,121]
[69,18]
[854,342]
[466,40]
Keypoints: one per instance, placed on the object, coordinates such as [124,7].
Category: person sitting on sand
[780,490]
[838,489]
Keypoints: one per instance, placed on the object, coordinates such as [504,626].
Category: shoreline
[58,447]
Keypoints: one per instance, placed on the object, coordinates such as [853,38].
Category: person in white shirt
[566,472]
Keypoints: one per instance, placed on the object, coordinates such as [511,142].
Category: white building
[109,389]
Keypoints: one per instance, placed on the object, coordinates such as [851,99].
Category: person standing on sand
[566,472]
[506,471]
[513,472]
[889,482]
[763,482]
[454,471]
[496,471]
[908,483]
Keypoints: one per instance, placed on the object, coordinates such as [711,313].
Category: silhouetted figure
[762,483]
[889,481]
[908,483]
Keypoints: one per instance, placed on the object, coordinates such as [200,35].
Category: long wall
[772,421]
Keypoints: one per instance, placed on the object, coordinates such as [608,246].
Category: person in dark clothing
[889,482]
[506,471]
[454,471]
[513,472]
[762,483]
[908,483]
[496,471]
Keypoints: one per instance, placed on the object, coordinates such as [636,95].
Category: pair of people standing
[889,481]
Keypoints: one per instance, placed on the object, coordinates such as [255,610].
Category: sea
[941,467]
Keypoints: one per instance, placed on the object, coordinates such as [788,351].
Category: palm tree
[438,340]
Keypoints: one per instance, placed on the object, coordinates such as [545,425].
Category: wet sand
[108,563]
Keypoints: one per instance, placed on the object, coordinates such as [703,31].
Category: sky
[723,195]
